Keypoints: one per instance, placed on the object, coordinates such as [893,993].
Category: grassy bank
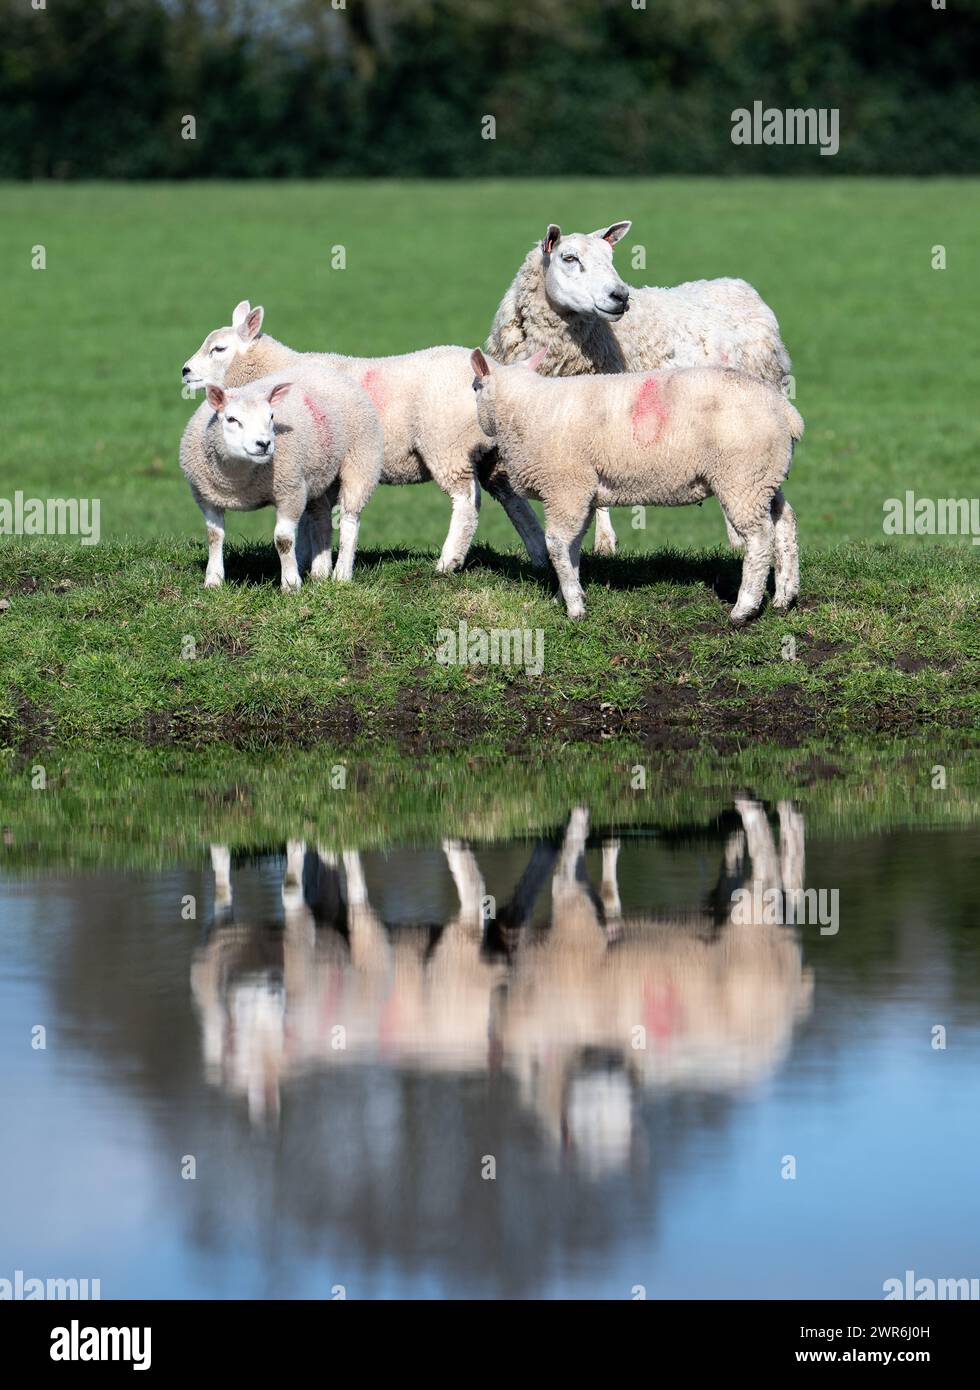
[140,807]
[122,640]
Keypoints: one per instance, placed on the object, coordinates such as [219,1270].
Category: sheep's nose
[262,445]
[620,294]
[186,371]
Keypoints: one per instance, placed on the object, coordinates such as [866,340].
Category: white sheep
[298,446]
[665,438]
[426,409]
[568,298]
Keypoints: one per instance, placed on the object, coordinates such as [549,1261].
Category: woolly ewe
[668,438]
[424,402]
[295,446]
[568,298]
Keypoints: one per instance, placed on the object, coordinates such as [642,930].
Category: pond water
[574,1064]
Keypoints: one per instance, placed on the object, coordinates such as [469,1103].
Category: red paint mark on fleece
[321,424]
[661,1009]
[374,386]
[649,412]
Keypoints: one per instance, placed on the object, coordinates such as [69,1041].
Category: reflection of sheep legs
[469,883]
[369,948]
[462,528]
[792,852]
[785,552]
[760,842]
[610,884]
[221,865]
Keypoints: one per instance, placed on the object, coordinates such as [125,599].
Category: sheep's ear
[216,398]
[479,363]
[250,325]
[551,239]
[280,392]
[240,314]
[614,233]
[533,363]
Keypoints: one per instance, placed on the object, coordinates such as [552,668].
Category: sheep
[568,298]
[423,400]
[670,438]
[292,445]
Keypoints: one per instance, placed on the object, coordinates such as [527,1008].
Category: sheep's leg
[786,553]
[320,522]
[755,572]
[564,544]
[214,519]
[605,536]
[350,525]
[522,518]
[358,478]
[285,539]
[354,493]
[734,539]
[462,528]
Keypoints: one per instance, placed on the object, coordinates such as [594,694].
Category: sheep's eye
[217,348]
[570,259]
[231,420]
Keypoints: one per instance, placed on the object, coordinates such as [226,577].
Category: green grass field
[887,379]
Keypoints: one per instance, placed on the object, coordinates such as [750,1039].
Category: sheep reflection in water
[587,1012]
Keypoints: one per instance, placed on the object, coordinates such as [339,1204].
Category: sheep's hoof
[448,566]
[292,586]
[576,614]
[740,619]
[785,606]
[604,545]
[213,581]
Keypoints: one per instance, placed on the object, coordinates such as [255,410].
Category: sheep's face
[209,365]
[579,275]
[485,390]
[247,421]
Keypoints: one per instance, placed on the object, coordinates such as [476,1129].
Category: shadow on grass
[254,562]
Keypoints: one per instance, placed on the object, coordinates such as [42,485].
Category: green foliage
[400,87]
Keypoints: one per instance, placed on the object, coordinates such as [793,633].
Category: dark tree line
[100,88]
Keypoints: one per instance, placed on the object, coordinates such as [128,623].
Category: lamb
[425,405]
[295,446]
[669,438]
[568,298]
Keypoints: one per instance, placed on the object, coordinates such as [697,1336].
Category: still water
[568,1065]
